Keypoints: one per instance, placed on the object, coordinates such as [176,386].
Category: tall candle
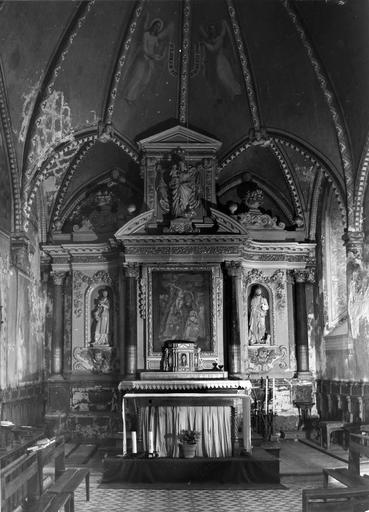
[266,395]
[151,442]
[134,441]
[273,403]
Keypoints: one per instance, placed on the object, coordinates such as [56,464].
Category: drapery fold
[166,422]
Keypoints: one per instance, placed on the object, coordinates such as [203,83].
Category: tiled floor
[300,468]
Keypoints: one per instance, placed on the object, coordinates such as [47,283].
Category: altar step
[260,467]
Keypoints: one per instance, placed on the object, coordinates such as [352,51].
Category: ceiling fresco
[85,81]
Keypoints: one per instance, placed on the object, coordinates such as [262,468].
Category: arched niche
[100,324]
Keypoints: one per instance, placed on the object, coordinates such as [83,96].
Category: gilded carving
[142,296]
[219,296]
[97,360]
[263,359]
[58,277]
[185,61]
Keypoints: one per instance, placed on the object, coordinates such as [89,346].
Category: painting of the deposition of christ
[181,308]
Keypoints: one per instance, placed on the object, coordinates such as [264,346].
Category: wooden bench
[333,500]
[53,453]
[345,476]
[61,494]
[355,496]
[50,503]
[19,482]
[68,483]
[350,476]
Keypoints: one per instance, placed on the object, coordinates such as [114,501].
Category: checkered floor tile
[168,500]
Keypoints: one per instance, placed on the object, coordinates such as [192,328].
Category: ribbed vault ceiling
[245,72]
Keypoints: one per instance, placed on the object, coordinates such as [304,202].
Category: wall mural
[104,209]
[218,66]
[335,262]
[152,49]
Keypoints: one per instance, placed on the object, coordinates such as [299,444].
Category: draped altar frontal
[217,409]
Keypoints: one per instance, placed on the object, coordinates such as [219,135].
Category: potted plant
[188,438]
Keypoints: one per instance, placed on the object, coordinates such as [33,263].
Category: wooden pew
[52,453]
[22,481]
[19,482]
[62,492]
[350,476]
[333,500]
[355,496]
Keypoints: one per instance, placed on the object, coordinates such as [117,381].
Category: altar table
[185,390]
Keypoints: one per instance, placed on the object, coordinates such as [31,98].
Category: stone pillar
[132,274]
[58,326]
[357,308]
[122,323]
[233,319]
[301,325]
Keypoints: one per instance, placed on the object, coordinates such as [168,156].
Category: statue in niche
[258,311]
[185,188]
[102,320]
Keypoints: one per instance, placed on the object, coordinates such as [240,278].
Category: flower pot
[189,450]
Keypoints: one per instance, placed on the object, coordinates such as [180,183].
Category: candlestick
[151,442]
[134,441]
[273,402]
[266,395]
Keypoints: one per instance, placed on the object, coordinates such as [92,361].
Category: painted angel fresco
[219,71]
[151,50]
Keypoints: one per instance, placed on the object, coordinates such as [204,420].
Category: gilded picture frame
[183,305]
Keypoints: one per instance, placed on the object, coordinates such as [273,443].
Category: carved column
[58,326]
[233,318]
[301,324]
[132,274]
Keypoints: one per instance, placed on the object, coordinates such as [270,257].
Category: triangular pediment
[179,136]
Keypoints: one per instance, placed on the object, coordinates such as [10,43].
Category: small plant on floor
[189,436]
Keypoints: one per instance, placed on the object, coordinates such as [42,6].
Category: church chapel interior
[184,229]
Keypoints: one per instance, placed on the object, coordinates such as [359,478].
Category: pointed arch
[9,147]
